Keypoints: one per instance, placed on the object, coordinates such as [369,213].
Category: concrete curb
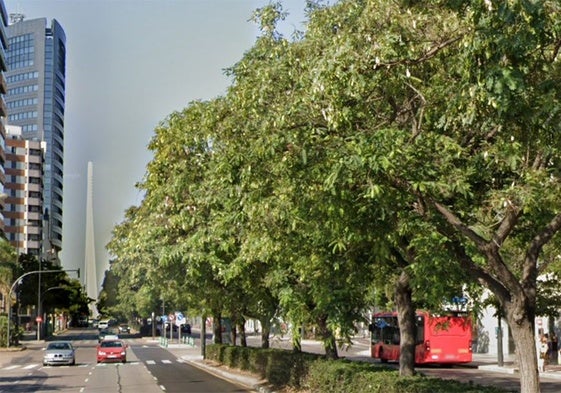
[554,374]
[498,369]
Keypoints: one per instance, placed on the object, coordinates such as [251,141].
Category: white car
[103,324]
[59,352]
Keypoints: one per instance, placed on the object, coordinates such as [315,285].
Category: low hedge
[280,367]
[314,373]
[344,376]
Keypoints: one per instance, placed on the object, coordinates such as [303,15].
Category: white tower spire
[90,279]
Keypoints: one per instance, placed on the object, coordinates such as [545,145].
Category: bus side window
[420,331]
[395,337]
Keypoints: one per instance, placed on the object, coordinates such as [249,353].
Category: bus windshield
[386,330]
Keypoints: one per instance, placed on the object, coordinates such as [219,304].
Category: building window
[21,52]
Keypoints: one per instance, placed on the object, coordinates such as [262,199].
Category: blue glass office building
[36,59]
[3,109]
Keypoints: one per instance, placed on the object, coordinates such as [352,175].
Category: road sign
[179,318]
[39,319]
[171,317]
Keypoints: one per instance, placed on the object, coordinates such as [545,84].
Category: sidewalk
[490,363]
[193,356]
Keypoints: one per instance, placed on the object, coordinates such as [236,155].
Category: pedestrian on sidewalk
[542,353]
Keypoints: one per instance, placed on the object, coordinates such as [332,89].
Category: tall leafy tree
[8,266]
[455,105]
[401,137]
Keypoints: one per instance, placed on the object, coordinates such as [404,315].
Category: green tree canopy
[394,141]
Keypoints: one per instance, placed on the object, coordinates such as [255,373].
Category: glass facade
[36,97]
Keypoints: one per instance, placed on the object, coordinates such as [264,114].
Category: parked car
[111,351]
[59,352]
[124,328]
[186,328]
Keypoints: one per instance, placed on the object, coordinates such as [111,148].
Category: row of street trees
[408,146]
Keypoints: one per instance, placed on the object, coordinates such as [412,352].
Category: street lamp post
[38,317]
[13,286]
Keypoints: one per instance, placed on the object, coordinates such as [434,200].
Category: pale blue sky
[130,63]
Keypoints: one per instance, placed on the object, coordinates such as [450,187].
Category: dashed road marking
[130,363]
[11,367]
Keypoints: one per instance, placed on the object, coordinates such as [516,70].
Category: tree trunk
[329,342]
[234,334]
[265,333]
[243,337]
[522,329]
[297,338]
[217,328]
[406,322]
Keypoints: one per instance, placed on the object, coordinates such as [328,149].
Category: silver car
[59,352]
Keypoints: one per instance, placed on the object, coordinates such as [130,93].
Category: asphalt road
[149,369]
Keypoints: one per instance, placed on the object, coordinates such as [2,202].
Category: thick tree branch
[489,248]
[474,270]
[453,220]
[556,50]
[530,270]
[499,276]
[507,224]
[425,56]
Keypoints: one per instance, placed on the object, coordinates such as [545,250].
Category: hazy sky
[129,64]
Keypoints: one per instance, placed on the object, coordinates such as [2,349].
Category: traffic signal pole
[39,290]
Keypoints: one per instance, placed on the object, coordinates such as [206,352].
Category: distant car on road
[124,328]
[111,351]
[103,324]
[106,334]
[59,352]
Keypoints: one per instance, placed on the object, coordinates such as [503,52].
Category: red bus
[440,339]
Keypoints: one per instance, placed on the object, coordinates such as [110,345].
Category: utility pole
[38,318]
[500,357]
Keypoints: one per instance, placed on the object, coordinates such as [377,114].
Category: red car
[111,351]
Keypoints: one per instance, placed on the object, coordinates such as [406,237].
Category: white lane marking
[165,361]
[150,362]
[163,387]
[11,367]
[30,366]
